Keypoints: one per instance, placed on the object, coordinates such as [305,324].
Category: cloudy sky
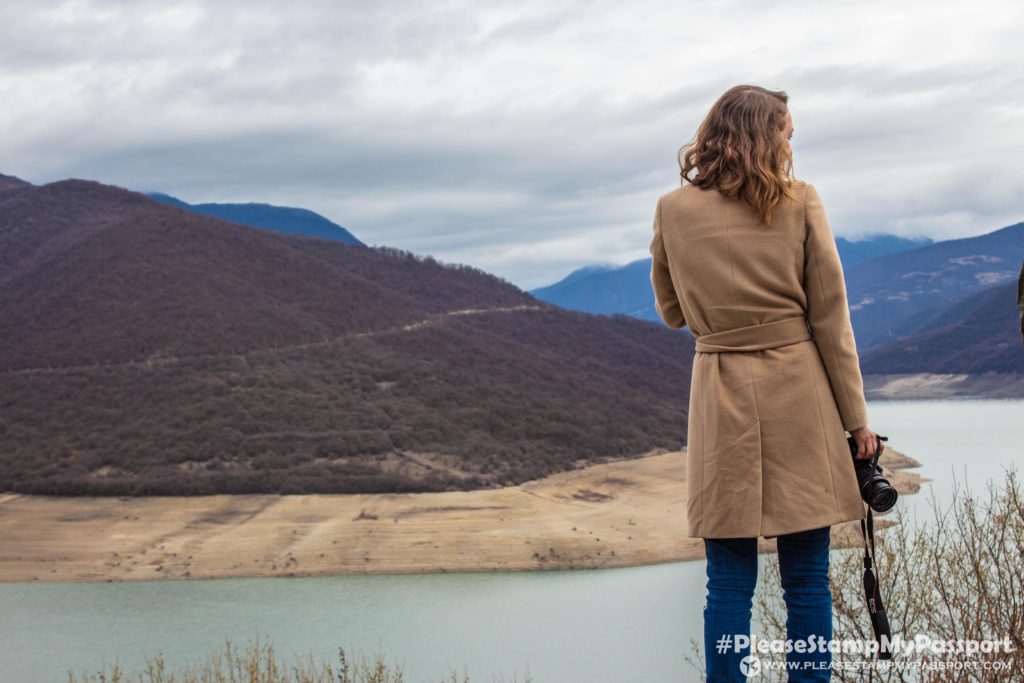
[524,138]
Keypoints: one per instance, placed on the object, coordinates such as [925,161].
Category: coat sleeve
[666,301]
[829,315]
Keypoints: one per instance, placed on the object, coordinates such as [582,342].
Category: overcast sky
[524,138]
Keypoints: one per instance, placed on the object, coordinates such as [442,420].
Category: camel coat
[776,378]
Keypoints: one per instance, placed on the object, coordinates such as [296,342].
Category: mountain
[9,182]
[280,218]
[627,289]
[897,295]
[149,350]
[852,252]
[978,333]
[605,290]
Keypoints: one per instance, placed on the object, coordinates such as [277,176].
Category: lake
[606,625]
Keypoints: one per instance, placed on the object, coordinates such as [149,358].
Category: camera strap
[879,619]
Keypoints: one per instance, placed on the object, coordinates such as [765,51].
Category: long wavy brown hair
[740,149]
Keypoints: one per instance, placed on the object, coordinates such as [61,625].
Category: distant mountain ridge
[627,289]
[895,295]
[605,290]
[943,307]
[978,333]
[150,350]
[284,219]
[852,252]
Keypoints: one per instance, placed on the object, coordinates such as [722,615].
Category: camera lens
[884,497]
[875,489]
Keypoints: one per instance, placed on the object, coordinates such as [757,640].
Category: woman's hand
[867,442]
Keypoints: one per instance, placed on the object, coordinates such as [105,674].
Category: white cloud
[529,138]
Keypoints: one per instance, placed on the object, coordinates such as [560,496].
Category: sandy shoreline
[928,385]
[617,514]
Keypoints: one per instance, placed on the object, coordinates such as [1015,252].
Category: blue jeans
[732,577]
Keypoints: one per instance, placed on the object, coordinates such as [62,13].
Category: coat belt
[756,337]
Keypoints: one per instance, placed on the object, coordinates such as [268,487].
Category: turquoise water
[608,625]
[973,441]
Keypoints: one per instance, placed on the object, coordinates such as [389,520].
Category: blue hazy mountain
[609,289]
[279,218]
[898,295]
[852,252]
[975,334]
[605,289]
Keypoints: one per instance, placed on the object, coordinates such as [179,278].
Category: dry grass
[258,663]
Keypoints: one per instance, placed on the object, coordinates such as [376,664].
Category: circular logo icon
[750,665]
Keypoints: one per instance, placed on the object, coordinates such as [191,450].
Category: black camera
[875,489]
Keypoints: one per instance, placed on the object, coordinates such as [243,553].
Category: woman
[744,256]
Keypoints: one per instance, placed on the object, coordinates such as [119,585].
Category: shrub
[959,575]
